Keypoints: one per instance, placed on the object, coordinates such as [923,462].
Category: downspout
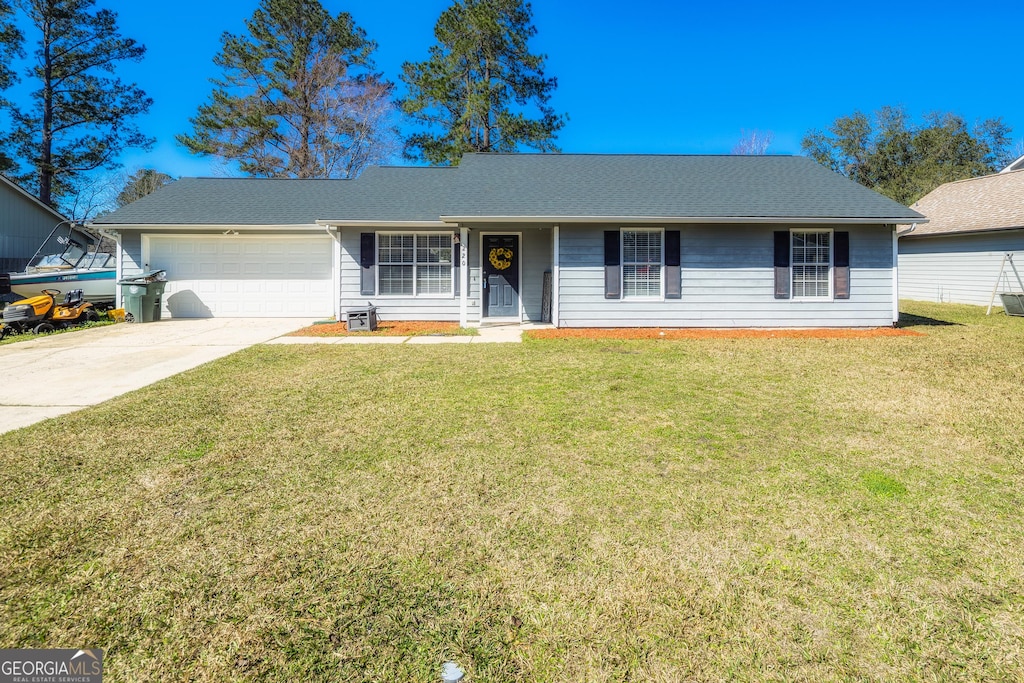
[896,235]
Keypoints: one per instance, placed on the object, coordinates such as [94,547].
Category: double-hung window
[643,258]
[414,264]
[812,264]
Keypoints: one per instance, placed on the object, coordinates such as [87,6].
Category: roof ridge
[628,154]
[987,176]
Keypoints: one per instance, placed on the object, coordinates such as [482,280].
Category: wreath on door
[500,258]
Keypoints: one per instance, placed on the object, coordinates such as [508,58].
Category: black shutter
[673,259]
[612,271]
[841,265]
[782,277]
[367,264]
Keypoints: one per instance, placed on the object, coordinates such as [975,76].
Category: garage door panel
[212,276]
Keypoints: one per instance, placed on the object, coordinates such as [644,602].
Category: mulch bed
[693,333]
[384,329]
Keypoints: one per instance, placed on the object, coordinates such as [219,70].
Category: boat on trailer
[69,258]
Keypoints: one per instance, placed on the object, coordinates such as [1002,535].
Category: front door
[501,276]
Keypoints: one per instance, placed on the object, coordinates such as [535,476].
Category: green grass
[26,336]
[785,509]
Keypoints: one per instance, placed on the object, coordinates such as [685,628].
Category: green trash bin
[141,296]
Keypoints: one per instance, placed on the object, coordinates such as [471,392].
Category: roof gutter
[338,223]
[912,228]
[636,220]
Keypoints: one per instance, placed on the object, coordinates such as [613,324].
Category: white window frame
[660,296]
[792,263]
[415,264]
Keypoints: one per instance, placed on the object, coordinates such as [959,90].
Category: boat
[69,258]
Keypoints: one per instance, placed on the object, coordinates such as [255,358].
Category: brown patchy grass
[407,328]
[557,510]
[693,333]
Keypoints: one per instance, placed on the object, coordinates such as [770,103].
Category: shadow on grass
[911,320]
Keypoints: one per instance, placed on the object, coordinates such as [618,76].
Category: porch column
[463,277]
[335,233]
[895,274]
[554,275]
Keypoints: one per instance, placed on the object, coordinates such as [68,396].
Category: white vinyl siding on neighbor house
[643,258]
[414,264]
[812,264]
[960,268]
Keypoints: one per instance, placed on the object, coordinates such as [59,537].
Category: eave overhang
[640,220]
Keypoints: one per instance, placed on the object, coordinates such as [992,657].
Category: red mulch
[694,333]
[406,328]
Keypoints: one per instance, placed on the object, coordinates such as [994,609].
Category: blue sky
[650,76]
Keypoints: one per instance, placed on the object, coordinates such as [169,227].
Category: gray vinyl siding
[727,281]
[535,257]
[131,252]
[959,268]
[24,225]
[389,307]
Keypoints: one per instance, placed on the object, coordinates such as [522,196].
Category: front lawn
[560,510]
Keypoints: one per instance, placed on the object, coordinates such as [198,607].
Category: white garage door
[235,276]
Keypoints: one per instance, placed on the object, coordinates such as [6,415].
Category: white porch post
[463,277]
[554,275]
[335,233]
[895,275]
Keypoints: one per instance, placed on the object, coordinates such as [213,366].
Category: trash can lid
[144,278]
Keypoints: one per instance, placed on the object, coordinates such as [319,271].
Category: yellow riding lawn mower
[42,314]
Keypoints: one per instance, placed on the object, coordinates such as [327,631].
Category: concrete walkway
[57,374]
[487,335]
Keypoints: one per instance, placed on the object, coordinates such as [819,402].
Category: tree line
[298,95]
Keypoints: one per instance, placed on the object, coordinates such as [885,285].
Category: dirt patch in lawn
[670,333]
[408,328]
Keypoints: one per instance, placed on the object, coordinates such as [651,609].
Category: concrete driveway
[61,373]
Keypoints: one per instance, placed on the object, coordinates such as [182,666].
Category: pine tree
[81,114]
[10,49]
[474,92]
[297,97]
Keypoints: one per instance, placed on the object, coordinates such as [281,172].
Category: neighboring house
[25,223]
[581,240]
[972,225]
[1015,165]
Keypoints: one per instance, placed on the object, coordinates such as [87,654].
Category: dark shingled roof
[233,201]
[526,185]
[397,193]
[571,185]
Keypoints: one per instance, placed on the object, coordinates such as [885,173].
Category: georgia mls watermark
[51,666]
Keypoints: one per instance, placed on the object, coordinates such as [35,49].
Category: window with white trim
[643,256]
[414,264]
[812,264]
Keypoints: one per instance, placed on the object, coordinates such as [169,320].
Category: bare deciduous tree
[753,142]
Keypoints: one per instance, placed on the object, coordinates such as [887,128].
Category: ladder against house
[1013,303]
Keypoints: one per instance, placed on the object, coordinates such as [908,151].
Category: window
[642,260]
[812,264]
[414,264]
